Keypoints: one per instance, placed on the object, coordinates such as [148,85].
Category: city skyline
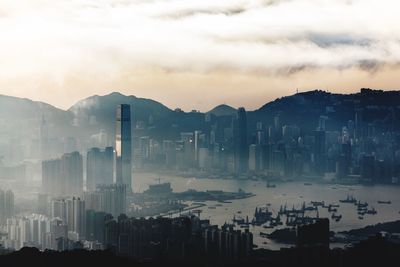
[200,133]
[168,51]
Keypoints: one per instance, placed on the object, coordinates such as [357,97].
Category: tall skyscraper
[123,146]
[99,167]
[240,141]
[319,152]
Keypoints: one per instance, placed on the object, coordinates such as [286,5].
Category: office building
[99,167]
[123,146]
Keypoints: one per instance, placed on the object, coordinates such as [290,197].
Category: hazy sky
[195,54]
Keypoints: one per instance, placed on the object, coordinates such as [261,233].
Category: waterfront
[291,193]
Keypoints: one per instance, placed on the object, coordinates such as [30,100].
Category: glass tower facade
[123,146]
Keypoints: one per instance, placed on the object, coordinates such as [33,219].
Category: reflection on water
[291,194]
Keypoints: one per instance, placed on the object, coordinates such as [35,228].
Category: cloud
[109,37]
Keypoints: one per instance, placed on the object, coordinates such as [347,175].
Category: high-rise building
[123,146]
[72,173]
[188,149]
[58,230]
[319,152]
[76,216]
[52,182]
[44,139]
[27,231]
[61,177]
[95,225]
[107,198]
[58,209]
[240,141]
[42,204]
[6,205]
[99,167]
[255,158]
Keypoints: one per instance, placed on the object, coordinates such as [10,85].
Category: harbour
[296,196]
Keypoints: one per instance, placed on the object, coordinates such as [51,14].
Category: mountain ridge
[22,116]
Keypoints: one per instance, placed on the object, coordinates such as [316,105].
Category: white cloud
[52,38]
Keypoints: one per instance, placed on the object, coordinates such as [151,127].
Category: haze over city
[200,133]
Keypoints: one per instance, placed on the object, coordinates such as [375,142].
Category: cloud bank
[48,39]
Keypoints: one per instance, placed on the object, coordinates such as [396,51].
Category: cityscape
[85,197]
[200,133]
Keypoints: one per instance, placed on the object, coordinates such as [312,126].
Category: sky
[196,54]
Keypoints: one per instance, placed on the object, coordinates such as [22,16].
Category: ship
[270,185]
[261,215]
[372,211]
[238,220]
[332,209]
[361,205]
[384,202]
[336,217]
[317,203]
[349,199]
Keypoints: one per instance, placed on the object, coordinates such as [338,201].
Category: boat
[263,234]
[307,183]
[362,209]
[361,205]
[372,211]
[261,215]
[224,201]
[335,217]
[266,226]
[238,220]
[384,202]
[331,208]
[349,199]
[318,203]
[270,185]
[212,207]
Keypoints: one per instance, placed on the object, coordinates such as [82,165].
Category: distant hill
[98,112]
[20,118]
[305,109]
[223,110]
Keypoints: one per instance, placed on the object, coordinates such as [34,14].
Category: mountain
[305,109]
[98,112]
[223,110]
[21,118]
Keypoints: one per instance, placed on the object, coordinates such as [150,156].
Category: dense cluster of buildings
[70,225]
[230,146]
